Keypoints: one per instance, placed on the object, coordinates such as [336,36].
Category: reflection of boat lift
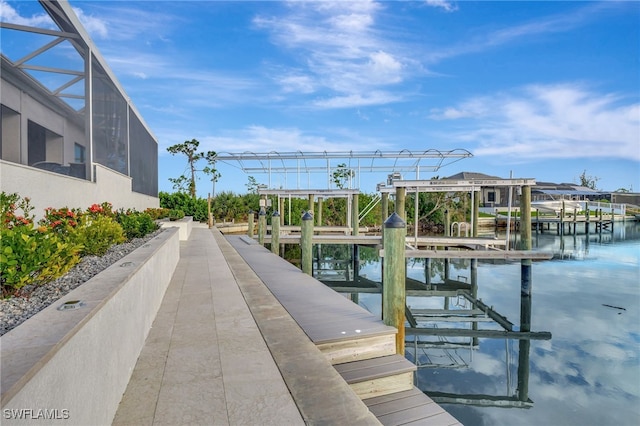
[474,312]
[343,276]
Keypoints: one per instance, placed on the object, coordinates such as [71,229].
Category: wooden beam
[476,254]
[463,332]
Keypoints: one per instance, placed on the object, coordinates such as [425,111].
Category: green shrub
[176,214]
[136,224]
[30,256]
[194,207]
[97,234]
[158,213]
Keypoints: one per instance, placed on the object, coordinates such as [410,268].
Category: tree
[341,175]
[210,169]
[190,149]
[252,185]
[180,184]
[588,181]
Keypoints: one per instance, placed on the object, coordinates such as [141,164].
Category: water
[588,373]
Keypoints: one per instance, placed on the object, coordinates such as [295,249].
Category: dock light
[71,305]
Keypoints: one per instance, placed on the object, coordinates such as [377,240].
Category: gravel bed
[16,310]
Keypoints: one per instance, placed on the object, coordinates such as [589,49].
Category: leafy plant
[30,255]
[157,213]
[176,214]
[195,207]
[136,224]
[97,234]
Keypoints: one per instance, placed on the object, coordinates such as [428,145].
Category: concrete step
[378,376]
[409,407]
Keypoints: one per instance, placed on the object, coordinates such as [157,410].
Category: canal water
[587,297]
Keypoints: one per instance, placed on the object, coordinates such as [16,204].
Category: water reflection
[587,297]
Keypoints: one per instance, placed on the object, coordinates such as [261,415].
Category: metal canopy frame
[453,185]
[306,163]
[304,193]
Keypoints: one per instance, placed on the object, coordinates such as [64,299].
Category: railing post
[250,223]
[355,213]
[393,280]
[319,214]
[275,233]
[262,225]
[306,244]
[401,195]
[384,207]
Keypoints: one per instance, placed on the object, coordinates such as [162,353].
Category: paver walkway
[205,361]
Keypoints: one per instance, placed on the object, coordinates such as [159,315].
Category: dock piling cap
[307,216]
[262,212]
[394,221]
[276,213]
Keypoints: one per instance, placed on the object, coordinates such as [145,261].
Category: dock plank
[409,407]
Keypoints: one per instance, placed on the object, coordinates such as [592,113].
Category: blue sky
[543,89]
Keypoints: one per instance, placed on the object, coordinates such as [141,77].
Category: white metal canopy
[300,163]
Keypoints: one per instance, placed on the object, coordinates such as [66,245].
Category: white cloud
[355,100]
[339,52]
[482,39]
[553,121]
[264,139]
[448,6]
[10,15]
[96,27]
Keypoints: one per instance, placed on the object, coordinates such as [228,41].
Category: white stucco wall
[48,189]
[77,363]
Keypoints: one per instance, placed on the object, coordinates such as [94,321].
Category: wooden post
[525,218]
[262,225]
[281,209]
[319,214]
[524,348]
[275,233]
[306,243]
[427,273]
[474,293]
[394,277]
[250,223]
[475,213]
[384,207]
[355,223]
[447,224]
[587,212]
[400,202]
[311,197]
[525,293]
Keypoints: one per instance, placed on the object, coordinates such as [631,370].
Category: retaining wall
[72,366]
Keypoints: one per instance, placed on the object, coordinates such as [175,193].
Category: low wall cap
[394,221]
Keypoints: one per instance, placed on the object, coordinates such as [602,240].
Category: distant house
[563,191]
[490,196]
[70,136]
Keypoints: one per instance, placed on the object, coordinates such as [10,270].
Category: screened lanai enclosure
[64,111]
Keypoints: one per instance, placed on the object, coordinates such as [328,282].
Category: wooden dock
[564,224]
[359,346]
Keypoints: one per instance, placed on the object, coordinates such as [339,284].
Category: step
[378,376]
[358,349]
[409,407]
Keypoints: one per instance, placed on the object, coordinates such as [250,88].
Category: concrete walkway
[223,351]
[205,361]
